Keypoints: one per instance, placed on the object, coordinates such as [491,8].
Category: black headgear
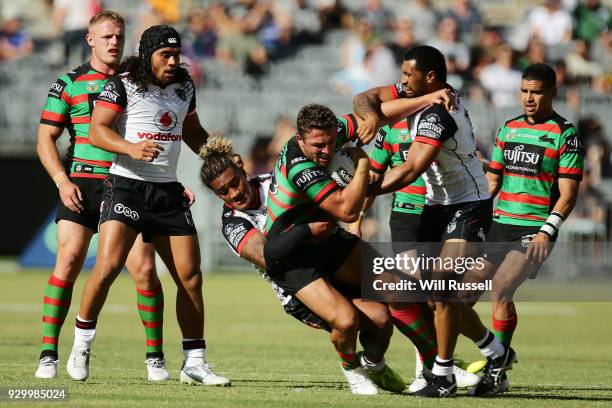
[156,37]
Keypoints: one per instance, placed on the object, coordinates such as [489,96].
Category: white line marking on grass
[37,308]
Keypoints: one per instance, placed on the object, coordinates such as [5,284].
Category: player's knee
[346,321]
[381,319]
[69,262]
[192,281]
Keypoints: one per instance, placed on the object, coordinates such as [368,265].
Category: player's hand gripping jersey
[530,158]
[69,105]
[157,115]
[456,175]
[300,185]
[390,150]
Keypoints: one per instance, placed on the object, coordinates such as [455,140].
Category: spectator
[306,22]
[448,43]
[334,15]
[579,66]
[403,39]
[468,19]
[501,80]
[602,51]
[15,42]
[199,38]
[382,19]
[550,23]
[237,43]
[260,160]
[598,154]
[354,77]
[423,12]
[592,18]
[71,19]
[284,129]
[380,63]
[534,54]
[484,53]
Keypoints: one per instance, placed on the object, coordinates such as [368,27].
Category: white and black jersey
[157,115]
[456,175]
[239,226]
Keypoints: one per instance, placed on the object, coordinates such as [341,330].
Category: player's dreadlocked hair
[217,156]
[314,116]
[138,66]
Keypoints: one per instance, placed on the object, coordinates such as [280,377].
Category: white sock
[442,367]
[490,346]
[194,357]
[84,337]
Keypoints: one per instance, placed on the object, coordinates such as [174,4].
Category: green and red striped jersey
[531,157]
[390,150]
[69,105]
[300,185]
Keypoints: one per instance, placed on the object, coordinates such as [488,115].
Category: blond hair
[107,15]
[217,156]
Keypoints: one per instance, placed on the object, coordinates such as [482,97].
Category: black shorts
[503,238]
[89,217]
[468,221]
[404,231]
[313,261]
[153,209]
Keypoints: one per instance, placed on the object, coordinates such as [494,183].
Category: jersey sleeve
[113,95]
[397,90]
[435,126]
[381,154]
[57,108]
[237,231]
[312,180]
[496,165]
[192,102]
[347,129]
[571,155]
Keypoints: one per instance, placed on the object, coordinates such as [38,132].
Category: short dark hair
[541,72]
[428,59]
[314,116]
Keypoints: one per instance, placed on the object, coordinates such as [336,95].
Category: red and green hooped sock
[151,311]
[349,360]
[411,323]
[504,329]
[56,303]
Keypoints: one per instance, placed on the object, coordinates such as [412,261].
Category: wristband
[552,224]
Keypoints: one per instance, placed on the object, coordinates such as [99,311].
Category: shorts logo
[481,235]
[122,209]
[188,218]
[165,120]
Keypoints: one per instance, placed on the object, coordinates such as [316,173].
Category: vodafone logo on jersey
[165,120]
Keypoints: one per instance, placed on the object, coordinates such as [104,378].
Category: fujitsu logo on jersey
[164,137]
[520,155]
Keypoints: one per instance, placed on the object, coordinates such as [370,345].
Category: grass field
[565,352]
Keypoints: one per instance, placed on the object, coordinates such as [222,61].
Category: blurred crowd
[485,56]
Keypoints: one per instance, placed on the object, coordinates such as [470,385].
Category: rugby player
[536,169]
[143,115]
[69,105]
[413,320]
[458,204]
